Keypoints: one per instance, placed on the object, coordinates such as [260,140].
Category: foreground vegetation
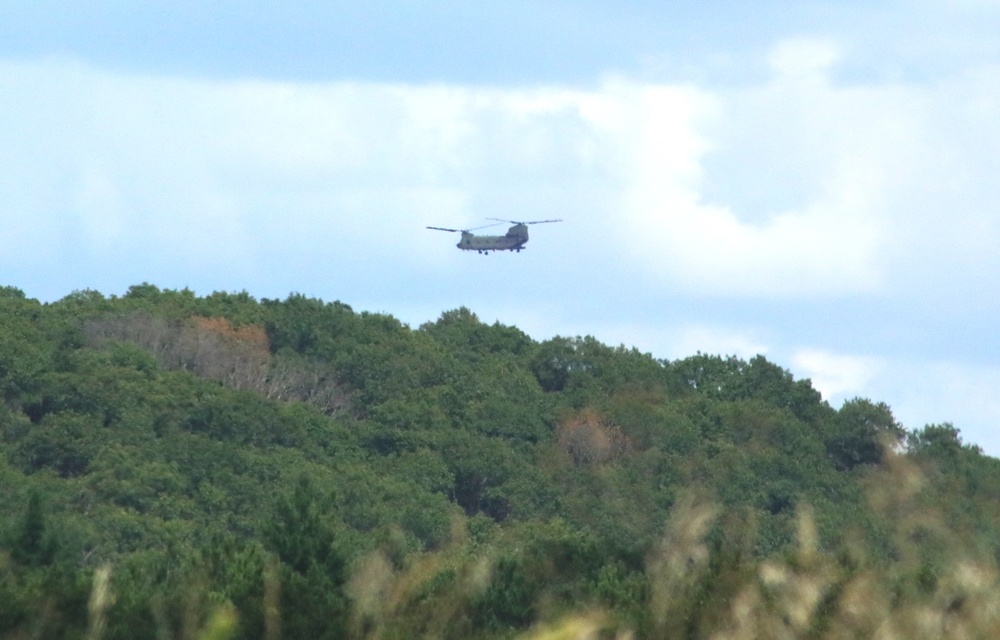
[223,467]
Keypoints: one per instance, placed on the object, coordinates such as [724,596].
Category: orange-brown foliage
[252,336]
[591,438]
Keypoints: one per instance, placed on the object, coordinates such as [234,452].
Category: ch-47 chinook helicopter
[513,240]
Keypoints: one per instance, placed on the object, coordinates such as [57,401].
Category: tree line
[222,466]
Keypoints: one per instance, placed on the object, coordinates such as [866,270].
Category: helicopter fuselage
[513,240]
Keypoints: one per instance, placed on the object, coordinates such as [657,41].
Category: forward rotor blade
[485,226]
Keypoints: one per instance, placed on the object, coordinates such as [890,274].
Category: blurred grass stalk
[101,598]
[933,586]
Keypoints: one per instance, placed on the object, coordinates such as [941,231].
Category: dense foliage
[183,466]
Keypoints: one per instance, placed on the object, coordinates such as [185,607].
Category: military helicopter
[513,240]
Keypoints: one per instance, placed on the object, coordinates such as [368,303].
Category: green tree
[862,433]
[313,604]
[33,544]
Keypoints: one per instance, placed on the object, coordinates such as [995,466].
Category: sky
[814,181]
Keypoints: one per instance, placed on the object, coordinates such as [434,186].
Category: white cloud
[221,174]
[844,151]
[923,391]
[742,343]
[800,57]
[803,187]
[146,175]
[835,375]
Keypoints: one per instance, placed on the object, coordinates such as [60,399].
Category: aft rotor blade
[520,222]
[443,229]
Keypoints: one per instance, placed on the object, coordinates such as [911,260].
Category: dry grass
[808,593]
[813,593]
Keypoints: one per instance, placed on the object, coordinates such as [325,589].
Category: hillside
[221,466]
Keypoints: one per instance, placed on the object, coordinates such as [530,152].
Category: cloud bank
[697,216]
[222,174]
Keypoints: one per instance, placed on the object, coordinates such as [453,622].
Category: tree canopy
[296,468]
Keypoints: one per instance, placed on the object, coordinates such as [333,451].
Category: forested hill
[221,467]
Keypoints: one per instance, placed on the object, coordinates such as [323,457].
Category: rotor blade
[443,229]
[520,222]
[485,226]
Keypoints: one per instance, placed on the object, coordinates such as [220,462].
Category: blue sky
[414,41]
[814,181]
